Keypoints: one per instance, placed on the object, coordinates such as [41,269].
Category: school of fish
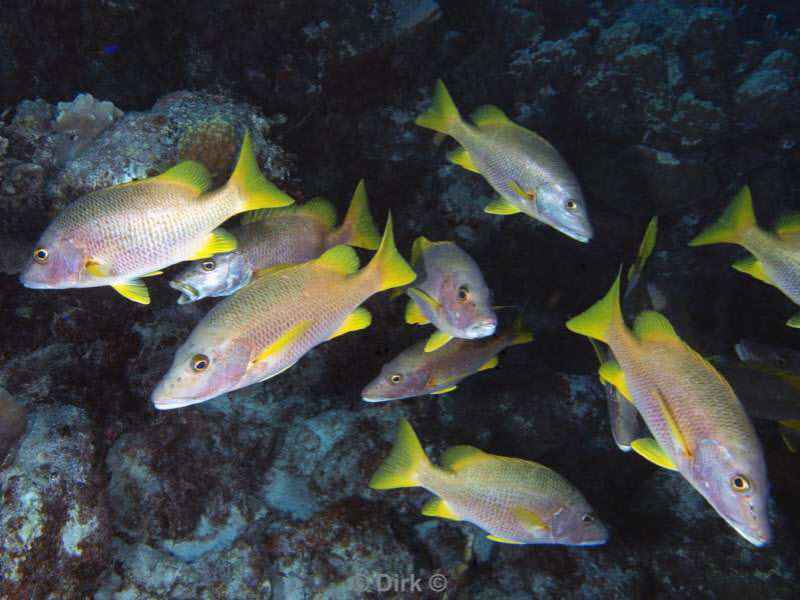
[290,280]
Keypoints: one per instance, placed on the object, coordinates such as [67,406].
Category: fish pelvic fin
[358,226]
[735,220]
[597,320]
[648,448]
[387,265]
[249,182]
[442,114]
[402,466]
[437,507]
[359,319]
[134,290]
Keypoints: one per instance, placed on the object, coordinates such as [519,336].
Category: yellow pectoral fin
[649,449]
[414,314]
[134,290]
[529,519]
[501,206]
[489,364]
[283,342]
[437,340]
[753,267]
[794,321]
[436,507]
[678,441]
[445,390]
[500,540]
[461,157]
[96,269]
[610,372]
[217,242]
[360,318]
[458,457]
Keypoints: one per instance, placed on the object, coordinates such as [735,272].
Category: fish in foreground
[270,324]
[120,234]
[528,174]
[415,372]
[699,426]
[776,256]
[515,501]
[290,235]
[449,292]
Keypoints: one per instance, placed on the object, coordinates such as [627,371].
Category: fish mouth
[757,538]
[170,403]
[366,399]
[580,235]
[188,292]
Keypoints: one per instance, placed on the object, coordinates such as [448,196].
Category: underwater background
[661,108]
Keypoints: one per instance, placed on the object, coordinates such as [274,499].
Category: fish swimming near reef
[515,501]
[290,235]
[415,372]
[699,426]
[120,234]
[525,170]
[776,256]
[267,326]
[449,292]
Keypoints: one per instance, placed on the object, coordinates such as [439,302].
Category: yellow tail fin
[388,264]
[736,219]
[596,321]
[401,467]
[442,114]
[256,192]
[358,222]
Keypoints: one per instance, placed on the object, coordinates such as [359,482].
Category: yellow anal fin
[753,267]
[788,225]
[500,540]
[360,318]
[436,507]
[445,390]
[648,448]
[610,372]
[489,364]
[529,519]
[414,314]
[457,457]
[437,340]
[96,269]
[284,341]
[217,242]
[461,157]
[134,290]
[794,321]
[501,206]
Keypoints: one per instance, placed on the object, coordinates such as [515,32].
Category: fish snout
[484,327]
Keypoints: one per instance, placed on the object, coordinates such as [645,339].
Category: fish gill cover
[664,108]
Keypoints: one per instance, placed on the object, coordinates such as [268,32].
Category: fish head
[218,275]
[57,262]
[466,305]
[203,368]
[734,481]
[563,207]
[402,377]
[576,524]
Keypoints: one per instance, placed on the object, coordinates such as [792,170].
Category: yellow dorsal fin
[597,320]
[284,341]
[96,269]
[446,390]
[339,258]
[500,540]
[321,208]
[529,518]
[437,340]
[650,325]
[489,115]
[648,448]
[401,467]
[256,191]
[189,174]
[753,267]
[461,157]
[360,318]
[359,222]
[610,372]
[134,290]
[501,206]
[217,242]
[457,457]
[436,507]
[788,225]
[414,314]
[421,244]
[489,364]
[271,270]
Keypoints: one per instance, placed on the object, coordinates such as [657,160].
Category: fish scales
[780,257]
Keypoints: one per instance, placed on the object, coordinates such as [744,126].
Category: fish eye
[209,265]
[463,294]
[200,363]
[571,204]
[41,255]
[588,518]
[740,484]
[396,378]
